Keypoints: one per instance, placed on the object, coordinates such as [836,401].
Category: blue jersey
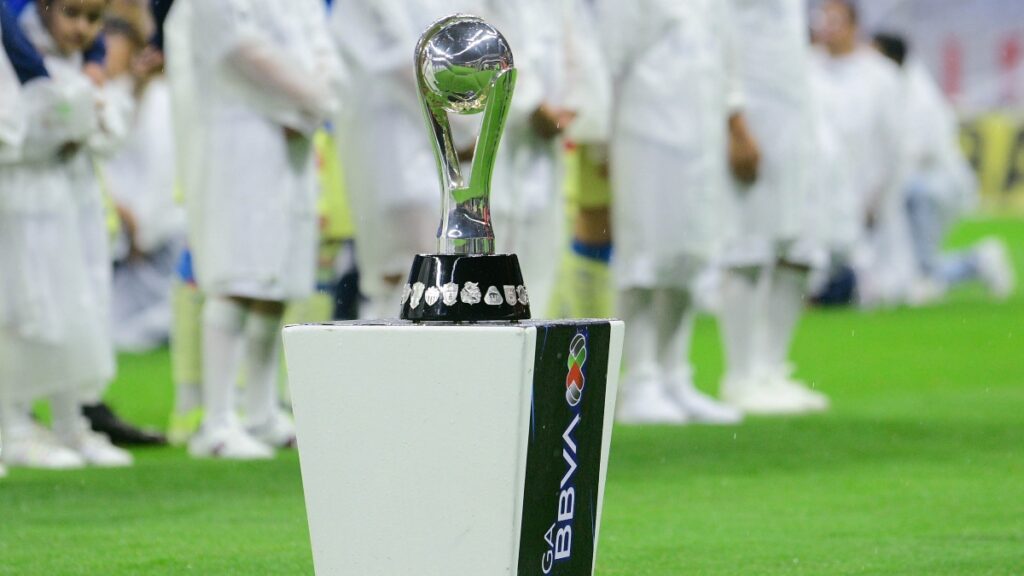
[17,6]
[27,62]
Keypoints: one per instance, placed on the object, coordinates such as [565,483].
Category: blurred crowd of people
[185,169]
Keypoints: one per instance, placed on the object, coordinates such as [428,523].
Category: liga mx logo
[574,380]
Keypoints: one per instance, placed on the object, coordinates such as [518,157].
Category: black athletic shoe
[102,419]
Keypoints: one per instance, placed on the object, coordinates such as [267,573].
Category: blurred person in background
[252,81]
[677,127]
[584,286]
[186,351]
[141,181]
[13,126]
[528,207]
[57,329]
[186,299]
[830,188]
[941,187]
[769,261]
[339,273]
[866,110]
[26,59]
[390,170]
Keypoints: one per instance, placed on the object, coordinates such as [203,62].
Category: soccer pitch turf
[918,469]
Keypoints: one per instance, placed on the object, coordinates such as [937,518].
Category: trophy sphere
[458,59]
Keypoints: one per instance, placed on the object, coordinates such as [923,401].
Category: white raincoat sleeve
[115,102]
[328,63]
[588,83]
[734,98]
[623,34]
[375,39]
[370,35]
[513,19]
[963,181]
[889,161]
[933,143]
[277,88]
[925,121]
[55,115]
[12,120]
[142,176]
[181,78]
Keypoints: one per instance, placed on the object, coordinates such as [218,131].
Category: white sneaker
[758,396]
[646,402]
[279,432]
[995,268]
[813,401]
[699,407]
[40,450]
[97,450]
[925,292]
[230,443]
[776,392]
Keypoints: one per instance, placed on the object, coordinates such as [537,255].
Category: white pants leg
[639,349]
[785,306]
[742,321]
[262,353]
[223,324]
[674,313]
[68,422]
[643,398]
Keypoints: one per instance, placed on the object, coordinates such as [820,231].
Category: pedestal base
[454,450]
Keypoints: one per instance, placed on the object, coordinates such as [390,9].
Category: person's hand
[148,63]
[96,73]
[744,154]
[131,229]
[550,122]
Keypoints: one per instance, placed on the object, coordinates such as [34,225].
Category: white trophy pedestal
[454,450]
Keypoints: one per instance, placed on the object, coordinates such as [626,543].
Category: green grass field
[918,469]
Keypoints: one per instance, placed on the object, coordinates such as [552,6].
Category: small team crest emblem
[417,294]
[524,298]
[470,293]
[450,293]
[510,295]
[432,295]
[493,297]
[575,380]
[406,293]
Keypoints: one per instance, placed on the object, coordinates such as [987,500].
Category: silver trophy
[465,66]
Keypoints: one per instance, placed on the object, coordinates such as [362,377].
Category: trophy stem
[469,246]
